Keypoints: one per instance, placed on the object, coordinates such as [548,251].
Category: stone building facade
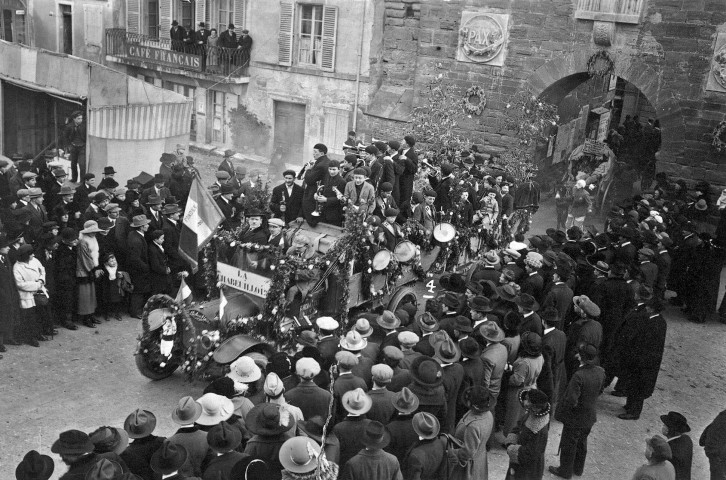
[665,48]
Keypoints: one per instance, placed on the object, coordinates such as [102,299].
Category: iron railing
[186,56]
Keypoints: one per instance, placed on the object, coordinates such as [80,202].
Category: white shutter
[200,13]
[240,16]
[93,25]
[330,28]
[284,39]
[164,18]
[132,15]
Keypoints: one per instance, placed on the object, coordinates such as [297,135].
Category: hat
[363,327]
[169,458]
[313,427]
[29,175]
[426,425]
[447,169]
[602,267]
[701,205]
[405,401]
[531,344]
[527,302]
[587,305]
[356,401]
[187,411]
[588,352]
[307,337]
[154,200]
[540,402]
[229,152]
[478,397]
[450,299]
[66,190]
[327,323]
[273,386]
[105,224]
[491,258]
[463,324]
[375,435]
[491,332]
[36,192]
[222,175]
[140,423]
[646,252]
[139,221]
[307,368]
[469,348]
[276,222]
[59,172]
[99,197]
[265,419]
[392,353]
[35,467]
[226,189]
[111,207]
[558,236]
[353,342]
[215,408]
[170,209]
[534,260]
[675,422]
[428,192]
[512,253]
[299,455]
[346,359]
[661,448]
[426,372]
[408,339]
[428,322]
[244,370]
[391,212]
[386,187]
[381,373]
[109,439]
[105,469]
[388,320]
[480,304]
[417,197]
[23,192]
[72,442]
[438,337]
[549,258]
[223,437]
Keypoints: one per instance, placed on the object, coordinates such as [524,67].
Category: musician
[371,158]
[334,186]
[286,199]
[277,237]
[424,213]
[347,165]
[360,194]
[409,206]
[313,172]
[443,186]
[489,209]
[390,232]
[351,141]
[409,160]
[384,199]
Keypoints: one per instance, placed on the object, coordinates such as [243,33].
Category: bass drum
[444,232]
[382,259]
[405,251]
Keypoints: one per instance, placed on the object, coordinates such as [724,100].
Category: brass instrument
[319,207]
[433,171]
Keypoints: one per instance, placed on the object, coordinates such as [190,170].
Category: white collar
[527,314]
[548,330]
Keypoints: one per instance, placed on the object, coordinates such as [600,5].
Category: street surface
[88,378]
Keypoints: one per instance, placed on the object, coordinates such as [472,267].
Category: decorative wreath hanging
[718,142]
[474,108]
[600,64]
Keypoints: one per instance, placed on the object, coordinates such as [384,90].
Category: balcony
[618,11]
[217,64]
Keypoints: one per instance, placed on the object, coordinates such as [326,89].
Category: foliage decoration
[528,117]
[435,121]
[475,108]
[719,137]
[600,64]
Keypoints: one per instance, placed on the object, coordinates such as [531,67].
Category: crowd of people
[220,52]
[535,332]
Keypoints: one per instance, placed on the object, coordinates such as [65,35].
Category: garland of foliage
[474,108]
[600,64]
[718,143]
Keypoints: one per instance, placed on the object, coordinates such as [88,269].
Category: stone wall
[667,56]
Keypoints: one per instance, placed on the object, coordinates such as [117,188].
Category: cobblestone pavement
[88,378]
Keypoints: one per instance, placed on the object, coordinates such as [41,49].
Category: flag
[184,295]
[222,303]
[201,218]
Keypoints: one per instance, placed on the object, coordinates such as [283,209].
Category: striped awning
[140,122]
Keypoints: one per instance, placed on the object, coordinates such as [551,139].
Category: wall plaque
[717,75]
[483,38]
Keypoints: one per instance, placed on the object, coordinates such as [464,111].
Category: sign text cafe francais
[164,57]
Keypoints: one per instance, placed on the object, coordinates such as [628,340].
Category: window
[186,17]
[93,25]
[620,11]
[226,15]
[152,18]
[218,120]
[315,35]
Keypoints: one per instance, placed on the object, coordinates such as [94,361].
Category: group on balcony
[223,53]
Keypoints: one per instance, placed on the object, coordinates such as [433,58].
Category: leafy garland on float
[474,108]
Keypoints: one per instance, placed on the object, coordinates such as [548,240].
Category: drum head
[444,232]
[381,260]
[405,251]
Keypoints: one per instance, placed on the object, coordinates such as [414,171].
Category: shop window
[621,11]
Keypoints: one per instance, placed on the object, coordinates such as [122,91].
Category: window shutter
[200,12]
[330,27]
[240,16]
[284,39]
[164,18]
[132,16]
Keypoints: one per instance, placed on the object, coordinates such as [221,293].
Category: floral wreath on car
[474,108]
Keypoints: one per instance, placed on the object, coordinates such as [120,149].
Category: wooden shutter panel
[200,12]
[240,16]
[132,16]
[164,18]
[284,39]
[330,27]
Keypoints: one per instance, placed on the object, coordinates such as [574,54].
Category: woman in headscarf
[526,454]
[86,273]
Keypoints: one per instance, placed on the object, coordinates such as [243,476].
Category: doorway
[289,131]
[66,40]
[7,25]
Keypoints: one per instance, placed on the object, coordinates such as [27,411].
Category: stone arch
[559,76]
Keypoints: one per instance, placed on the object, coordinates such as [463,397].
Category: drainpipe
[360,63]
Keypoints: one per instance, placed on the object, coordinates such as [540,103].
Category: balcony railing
[621,11]
[212,60]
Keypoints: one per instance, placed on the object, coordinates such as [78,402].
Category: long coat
[474,430]
[578,407]
[158,263]
[644,355]
[9,298]
[530,453]
[137,262]
[316,174]
[424,460]
[28,276]
[293,202]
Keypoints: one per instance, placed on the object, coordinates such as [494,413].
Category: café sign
[483,38]
[168,58]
